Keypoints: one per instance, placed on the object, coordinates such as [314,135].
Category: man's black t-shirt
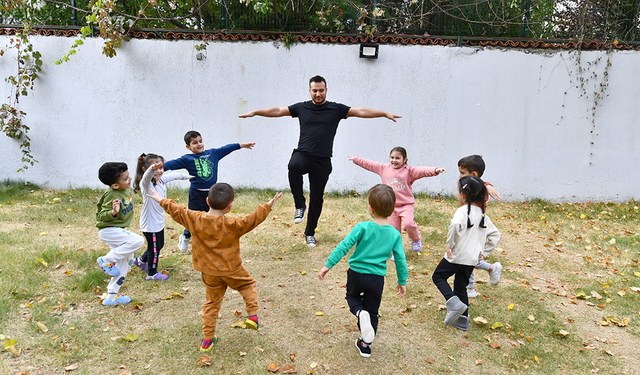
[318,125]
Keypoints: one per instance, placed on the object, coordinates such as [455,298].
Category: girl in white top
[150,174]
[471,235]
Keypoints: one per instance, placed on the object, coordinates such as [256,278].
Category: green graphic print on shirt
[204,168]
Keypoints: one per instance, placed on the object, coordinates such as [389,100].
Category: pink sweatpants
[404,213]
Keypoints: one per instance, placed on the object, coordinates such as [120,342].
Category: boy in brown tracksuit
[216,252]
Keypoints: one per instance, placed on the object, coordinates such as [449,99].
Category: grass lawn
[568,302]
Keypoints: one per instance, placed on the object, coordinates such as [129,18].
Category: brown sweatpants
[215,287]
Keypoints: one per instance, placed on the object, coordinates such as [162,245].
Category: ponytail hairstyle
[402,152]
[474,192]
[144,162]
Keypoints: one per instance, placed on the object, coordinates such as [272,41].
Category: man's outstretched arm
[268,112]
[365,112]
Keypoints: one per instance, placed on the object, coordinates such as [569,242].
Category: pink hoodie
[399,179]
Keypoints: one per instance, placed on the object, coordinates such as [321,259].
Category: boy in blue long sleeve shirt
[203,165]
[375,241]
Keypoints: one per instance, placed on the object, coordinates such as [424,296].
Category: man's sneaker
[471,293]
[140,264]
[363,348]
[206,346]
[311,241]
[366,329]
[299,215]
[117,300]
[157,277]
[109,269]
[183,243]
[494,276]
[461,323]
[416,246]
[455,308]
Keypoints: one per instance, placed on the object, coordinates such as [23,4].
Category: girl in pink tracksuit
[400,177]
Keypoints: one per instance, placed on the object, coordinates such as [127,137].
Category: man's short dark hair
[110,172]
[191,134]
[220,195]
[317,79]
[382,200]
[472,163]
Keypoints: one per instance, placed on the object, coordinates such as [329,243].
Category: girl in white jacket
[471,234]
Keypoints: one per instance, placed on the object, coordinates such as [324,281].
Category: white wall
[520,109]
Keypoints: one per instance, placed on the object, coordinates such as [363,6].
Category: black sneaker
[311,241]
[363,348]
[299,215]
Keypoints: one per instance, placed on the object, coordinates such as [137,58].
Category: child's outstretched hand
[154,195]
[323,272]
[274,199]
[157,166]
[440,170]
[493,193]
[401,290]
[248,145]
[116,207]
[351,157]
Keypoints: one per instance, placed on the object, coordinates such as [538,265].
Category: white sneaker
[183,243]
[471,293]
[494,276]
[366,329]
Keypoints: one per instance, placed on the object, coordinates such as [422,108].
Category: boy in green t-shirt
[375,242]
[114,214]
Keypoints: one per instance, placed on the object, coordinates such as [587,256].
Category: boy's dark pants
[447,269]
[197,202]
[364,292]
[319,169]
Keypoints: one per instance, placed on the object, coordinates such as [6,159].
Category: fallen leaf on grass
[42,327]
[42,261]
[239,324]
[480,320]
[497,325]
[511,306]
[243,354]
[495,345]
[562,333]
[72,367]
[314,365]
[68,272]
[273,367]
[595,295]
[535,357]
[611,319]
[288,370]
[292,357]
[478,362]
[43,233]
[607,352]
[430,361]
[9,344]
[204,360]
[319,313]
[326,330]
[531,318]
[130,337]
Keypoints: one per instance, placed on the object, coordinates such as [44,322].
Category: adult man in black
[318,125]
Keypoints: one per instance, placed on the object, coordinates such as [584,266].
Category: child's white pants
[123,244]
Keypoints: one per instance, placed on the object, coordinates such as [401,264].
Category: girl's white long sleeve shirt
[468,244]
[152,215]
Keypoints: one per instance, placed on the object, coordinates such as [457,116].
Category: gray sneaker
[311,241]
[299,215]
[183,243]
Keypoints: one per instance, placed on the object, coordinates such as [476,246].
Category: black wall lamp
[369,50]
